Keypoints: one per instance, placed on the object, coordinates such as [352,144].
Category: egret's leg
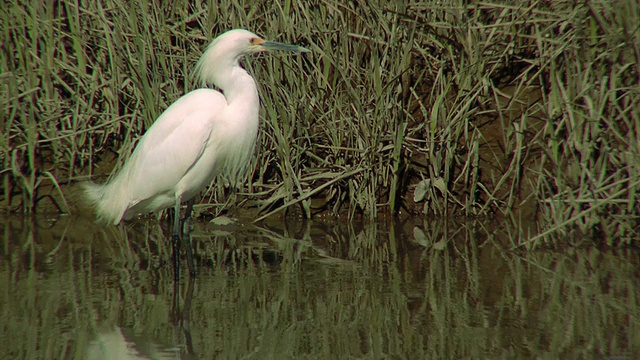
[176,240]
[186,232]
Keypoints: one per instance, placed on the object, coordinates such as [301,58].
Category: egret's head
[225,50]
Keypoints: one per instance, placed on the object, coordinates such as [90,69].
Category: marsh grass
[441,109]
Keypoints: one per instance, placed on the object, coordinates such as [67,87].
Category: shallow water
[74,290]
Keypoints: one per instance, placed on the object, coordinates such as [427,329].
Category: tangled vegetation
[517,110]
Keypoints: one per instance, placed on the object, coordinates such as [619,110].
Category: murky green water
[322,290]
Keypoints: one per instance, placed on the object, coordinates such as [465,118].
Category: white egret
[204,134]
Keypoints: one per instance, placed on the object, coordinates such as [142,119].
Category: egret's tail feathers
[109,208]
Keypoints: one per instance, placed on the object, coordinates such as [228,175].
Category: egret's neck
[218,68]
[238,85]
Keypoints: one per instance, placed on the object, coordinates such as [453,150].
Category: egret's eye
[255,41]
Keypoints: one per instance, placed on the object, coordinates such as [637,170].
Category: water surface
[315,290]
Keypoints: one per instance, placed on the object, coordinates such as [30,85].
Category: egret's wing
[173,144]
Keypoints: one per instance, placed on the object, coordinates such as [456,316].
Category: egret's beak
[274,45]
